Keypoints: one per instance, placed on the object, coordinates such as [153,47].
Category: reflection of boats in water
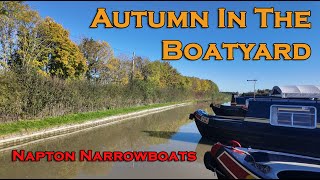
[202,147]
[289,116]
[234,162]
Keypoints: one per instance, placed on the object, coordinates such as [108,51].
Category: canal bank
[9,143]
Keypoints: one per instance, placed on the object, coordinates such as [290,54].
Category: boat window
[293,116]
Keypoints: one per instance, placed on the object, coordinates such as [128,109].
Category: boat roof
[296,91]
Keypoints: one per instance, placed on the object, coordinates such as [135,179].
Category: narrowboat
[223,110]
[237,108]
[286,121]
[235,162]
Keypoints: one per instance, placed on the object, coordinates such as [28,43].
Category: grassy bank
[31,125]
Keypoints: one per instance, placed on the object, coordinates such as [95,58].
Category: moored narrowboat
[235,162]
[285,121]
[238,106]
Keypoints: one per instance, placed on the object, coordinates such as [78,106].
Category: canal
[170,130]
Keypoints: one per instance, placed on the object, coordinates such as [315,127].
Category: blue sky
[229,75]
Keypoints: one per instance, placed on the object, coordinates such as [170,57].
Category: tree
[171,77]
[139,68]
[111,71]
[154,73]
[17,22]
[62,57]
[97,54]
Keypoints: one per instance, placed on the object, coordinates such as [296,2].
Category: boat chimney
[233,100]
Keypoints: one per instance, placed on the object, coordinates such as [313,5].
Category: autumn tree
[139,68]
[171,77]
[110,72]
[30,47]
[153,73]
[62,57]
[97,54]
[17,22]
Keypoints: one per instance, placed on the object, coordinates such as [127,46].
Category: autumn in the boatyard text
[174,49]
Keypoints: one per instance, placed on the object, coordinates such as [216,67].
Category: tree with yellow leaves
[17,22]
[97,54]
[62,57]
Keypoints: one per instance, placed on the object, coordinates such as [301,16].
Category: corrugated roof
[300,91]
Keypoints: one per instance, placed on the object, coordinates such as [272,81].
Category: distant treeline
[259,92]
[43,73]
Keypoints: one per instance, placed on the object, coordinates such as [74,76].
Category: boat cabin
[297,106]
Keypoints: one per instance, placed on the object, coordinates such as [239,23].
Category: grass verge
[29,125]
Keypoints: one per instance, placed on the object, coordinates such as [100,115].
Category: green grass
[31,125]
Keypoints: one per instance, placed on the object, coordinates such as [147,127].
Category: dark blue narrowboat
[237,108]
[286,121]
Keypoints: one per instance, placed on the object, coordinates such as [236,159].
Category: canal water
[166,131]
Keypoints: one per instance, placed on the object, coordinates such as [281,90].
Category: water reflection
[166,131]
[180,136]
